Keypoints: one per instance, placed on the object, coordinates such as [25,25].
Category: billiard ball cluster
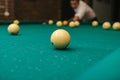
[14,27]
[107,25]
[59,23]
[60,38]
[72,24]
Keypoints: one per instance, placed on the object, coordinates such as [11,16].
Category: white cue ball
[116,26]
[59,23]
[60,39]
[106,25]
[72,24]
[95,23]
[13,29]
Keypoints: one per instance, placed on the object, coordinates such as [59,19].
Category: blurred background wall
[56,9]
[37,9]
[103,9]
[107,9]
[4,6]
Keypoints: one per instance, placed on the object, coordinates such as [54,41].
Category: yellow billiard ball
[50,22]
[65,22]
[59,23]
[95,23]
[16,22]
[77,23]
[116,26]
[13,29]
[106,25]
[60,39]
[72,24]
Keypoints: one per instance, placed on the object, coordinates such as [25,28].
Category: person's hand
[76,18]
[71,19]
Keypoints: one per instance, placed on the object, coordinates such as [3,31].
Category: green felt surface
[106,69]
[30,55]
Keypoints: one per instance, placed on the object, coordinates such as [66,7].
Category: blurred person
[82,11]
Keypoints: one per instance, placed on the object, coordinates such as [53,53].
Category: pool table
[93,53]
